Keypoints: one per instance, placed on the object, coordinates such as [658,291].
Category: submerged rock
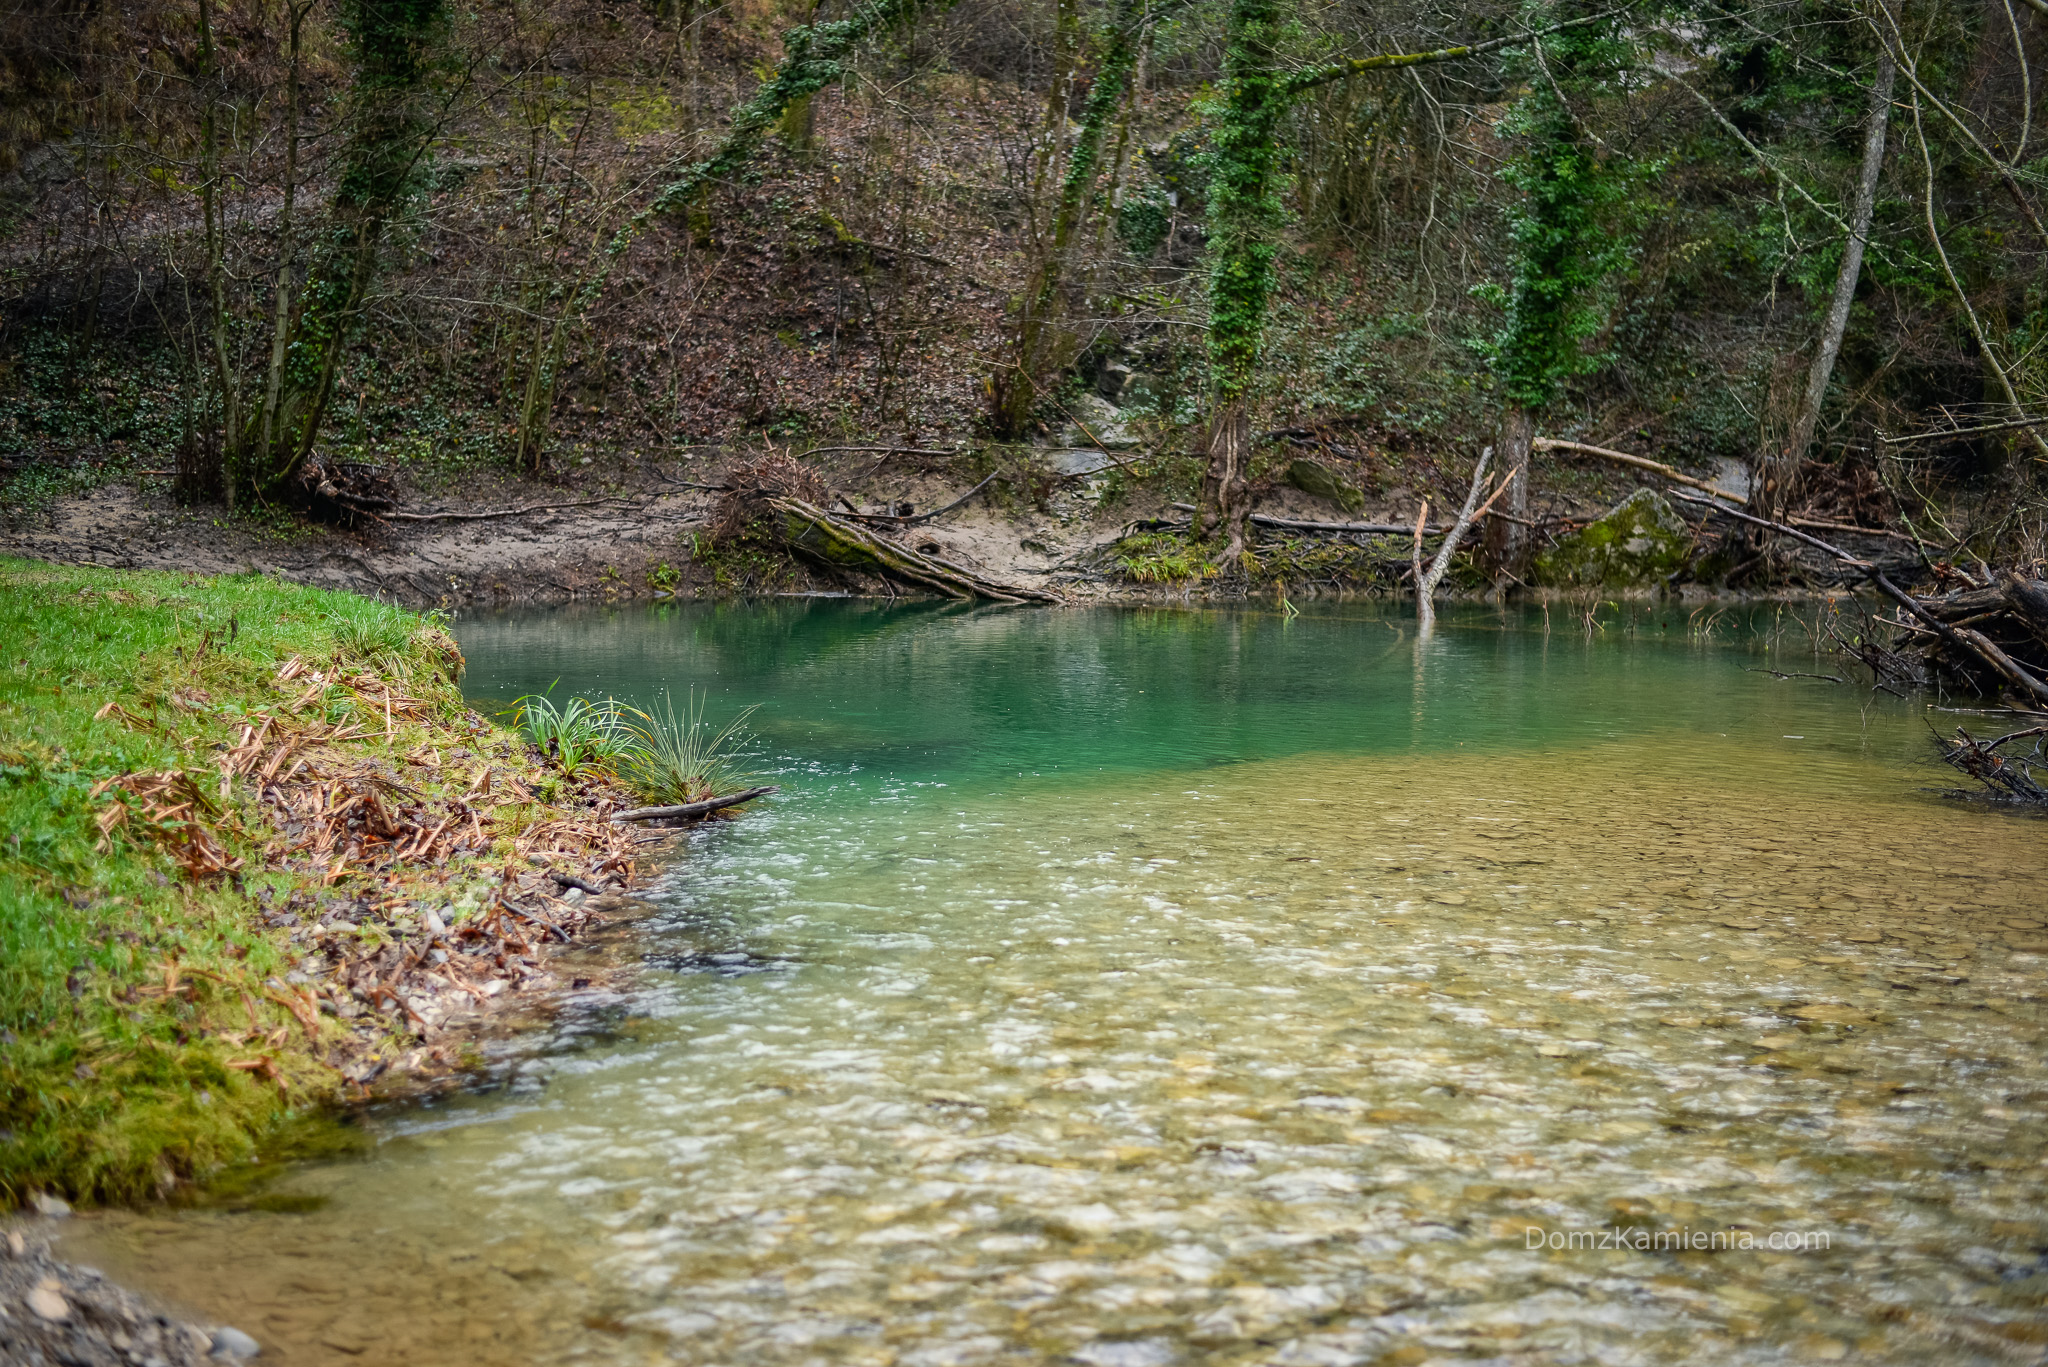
[1640,542]
[1319,480]
[230,1342]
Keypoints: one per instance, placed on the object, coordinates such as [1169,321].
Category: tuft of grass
[1161,558]
[579,735]
[674,759]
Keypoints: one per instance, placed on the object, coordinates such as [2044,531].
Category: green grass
[673,759]
[579,735]
[111,1086]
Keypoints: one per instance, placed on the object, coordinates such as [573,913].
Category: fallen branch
[2012,426]
[1296,525]
[1962,639]
[2008,780]
[502,512]
[686,809]
[1818,525]
[1836,551]
[1657,467]
[1780,674]
[885,450]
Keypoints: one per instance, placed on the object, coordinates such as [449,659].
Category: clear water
[1150,987]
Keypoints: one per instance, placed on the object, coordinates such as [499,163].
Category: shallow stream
[1149,987]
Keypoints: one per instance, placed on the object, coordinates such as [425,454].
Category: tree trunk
[281,323]
[1243,209]
[1507,542]
[1226,503]
[214,214]
[1778,474]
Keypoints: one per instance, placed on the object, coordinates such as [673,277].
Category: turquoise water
[935,693]
[1145,987]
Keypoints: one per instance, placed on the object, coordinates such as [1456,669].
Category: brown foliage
[778,474]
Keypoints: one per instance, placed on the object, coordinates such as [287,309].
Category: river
[1132,987]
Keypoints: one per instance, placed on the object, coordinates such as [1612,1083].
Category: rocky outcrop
[1318,480]
[1640,542]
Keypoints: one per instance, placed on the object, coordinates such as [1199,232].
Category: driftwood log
[684,810]
[839,544]
[1292,524]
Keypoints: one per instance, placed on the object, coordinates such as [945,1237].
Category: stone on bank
[1639,543]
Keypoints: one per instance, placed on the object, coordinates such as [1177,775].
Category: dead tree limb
[2008,780]
[1963,640]
[501,512]
[1427,580]
[689,809]
[1656,467]
[1297,525]
[892,520]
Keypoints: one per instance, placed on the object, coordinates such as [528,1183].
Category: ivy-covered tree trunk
[1565,251]
[1243,211]
[1043,346]
[397,48]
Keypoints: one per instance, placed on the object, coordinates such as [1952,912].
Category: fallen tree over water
[2006,779]
[1988,637]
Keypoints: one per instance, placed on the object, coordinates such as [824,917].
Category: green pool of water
[1148,987]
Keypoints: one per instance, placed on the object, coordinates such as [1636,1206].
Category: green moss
[1641,542]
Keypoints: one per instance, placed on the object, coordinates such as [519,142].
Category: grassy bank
[255,849]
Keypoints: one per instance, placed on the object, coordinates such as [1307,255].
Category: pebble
[48,1303]
[1831,1014]
[54,1207]
[229,1341]
[17,1247]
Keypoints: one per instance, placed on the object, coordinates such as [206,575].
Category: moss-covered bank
[255,850]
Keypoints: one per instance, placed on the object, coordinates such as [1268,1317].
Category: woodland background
[239,234]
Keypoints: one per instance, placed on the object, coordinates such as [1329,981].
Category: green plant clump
[673,759]
[1161,558]
[579,735]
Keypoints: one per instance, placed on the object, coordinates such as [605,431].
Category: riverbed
[1134,987]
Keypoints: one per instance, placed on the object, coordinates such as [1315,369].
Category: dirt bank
[628,528]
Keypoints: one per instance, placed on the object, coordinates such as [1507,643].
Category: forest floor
[629,529]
